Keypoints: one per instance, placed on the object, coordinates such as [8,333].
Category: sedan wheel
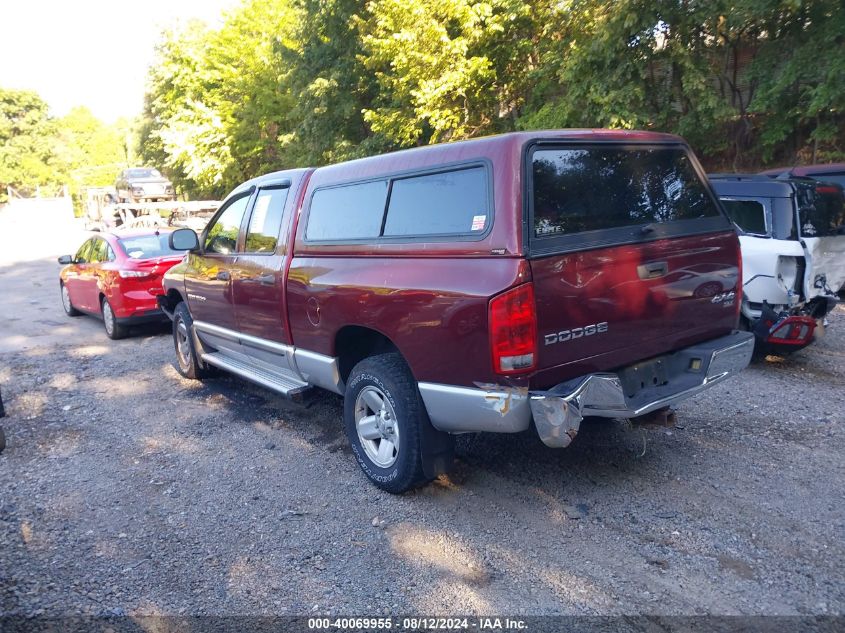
[113,329]
[67,304]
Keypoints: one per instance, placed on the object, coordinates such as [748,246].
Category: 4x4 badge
[725,298]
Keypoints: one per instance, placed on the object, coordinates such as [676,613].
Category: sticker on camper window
[478,222]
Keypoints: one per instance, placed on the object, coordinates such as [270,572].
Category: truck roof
[485,147]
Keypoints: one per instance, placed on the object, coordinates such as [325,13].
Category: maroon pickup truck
[484,285]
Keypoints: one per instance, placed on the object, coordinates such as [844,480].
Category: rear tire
[187,360]
[67,304]
[383,415]
[114,330]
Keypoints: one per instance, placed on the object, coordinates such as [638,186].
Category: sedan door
[77,276]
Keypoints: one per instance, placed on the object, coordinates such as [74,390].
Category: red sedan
[117,277]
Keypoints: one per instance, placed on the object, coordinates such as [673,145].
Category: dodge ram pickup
[491,285]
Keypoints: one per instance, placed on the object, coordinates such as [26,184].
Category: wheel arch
[173,298]
[354,343]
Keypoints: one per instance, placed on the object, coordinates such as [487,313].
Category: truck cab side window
[222,236]
[262,236]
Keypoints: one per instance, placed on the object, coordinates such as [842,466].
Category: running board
[285,385]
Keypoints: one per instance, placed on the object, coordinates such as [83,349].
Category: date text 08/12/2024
[417,623]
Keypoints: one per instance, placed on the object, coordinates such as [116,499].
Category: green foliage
[27,141]
[37,150]
[287,83]
[329,85]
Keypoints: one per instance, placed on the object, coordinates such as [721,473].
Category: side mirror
[64,260]
[184,240]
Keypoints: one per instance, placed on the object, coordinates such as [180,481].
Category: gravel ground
[126,489]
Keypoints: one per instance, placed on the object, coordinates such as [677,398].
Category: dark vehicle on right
[793,254]
[143,184]
[832,172]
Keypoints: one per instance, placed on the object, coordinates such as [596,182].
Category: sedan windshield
[147,246]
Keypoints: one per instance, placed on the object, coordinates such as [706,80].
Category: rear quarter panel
[428,297]
[433,310]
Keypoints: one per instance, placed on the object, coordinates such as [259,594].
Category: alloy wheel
[183,344]
[108,318]
[68,306]
[378,429]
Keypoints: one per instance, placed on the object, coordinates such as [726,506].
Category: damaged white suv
[792,234]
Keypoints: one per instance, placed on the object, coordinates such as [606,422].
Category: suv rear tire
[187,361]
[383,417]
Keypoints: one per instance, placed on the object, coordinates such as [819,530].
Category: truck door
[208,278]
[257,279]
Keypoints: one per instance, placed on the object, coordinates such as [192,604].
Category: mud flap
[437,450]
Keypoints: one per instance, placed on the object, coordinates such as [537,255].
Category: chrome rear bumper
[557,412]
[635,390]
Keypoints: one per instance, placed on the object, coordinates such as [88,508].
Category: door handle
[267,278]
[224,275]
[652,270]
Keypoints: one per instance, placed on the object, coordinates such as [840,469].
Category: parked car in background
[793,254]
[117,276]
[528,279]
[140,184]
[832,172]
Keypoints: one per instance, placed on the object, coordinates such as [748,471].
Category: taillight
[795,330]
[513,330]
[133,274]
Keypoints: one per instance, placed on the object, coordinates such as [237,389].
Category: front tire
[187,361]
[114,330]
[383,416]
[67,304]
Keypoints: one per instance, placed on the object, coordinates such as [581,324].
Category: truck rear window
[594,188]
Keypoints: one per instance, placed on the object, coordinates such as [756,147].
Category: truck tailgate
[631,256]
[594,307]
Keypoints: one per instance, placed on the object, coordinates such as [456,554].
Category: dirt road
[127,489]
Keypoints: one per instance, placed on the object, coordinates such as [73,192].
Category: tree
[447,69]
[329,84]
[27,142]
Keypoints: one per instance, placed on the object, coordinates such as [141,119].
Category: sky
[90,52]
